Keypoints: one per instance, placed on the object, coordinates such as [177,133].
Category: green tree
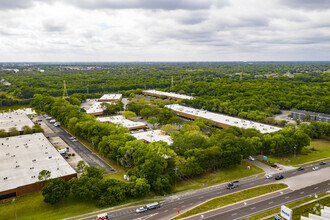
[129,114]
[81,167]
[165,115]
[94,172]
[44,175]
[27,130]
[55,190]
[3,133]
[13,131]
[140,188]
[152,121]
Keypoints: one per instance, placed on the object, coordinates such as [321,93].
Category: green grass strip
[232,198]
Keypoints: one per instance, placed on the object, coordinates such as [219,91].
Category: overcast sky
[164,30]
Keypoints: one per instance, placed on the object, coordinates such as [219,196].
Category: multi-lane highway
[173,204]
[87,155]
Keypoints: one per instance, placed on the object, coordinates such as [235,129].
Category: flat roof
[96,107]
[153,136]
[111,97]
[119,119]
[23,157]
[14,119]
[168,94]
[224,119]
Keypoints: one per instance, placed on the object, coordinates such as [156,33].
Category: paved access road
[172,205]
[87,155]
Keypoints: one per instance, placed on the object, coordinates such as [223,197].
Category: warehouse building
[221,121]
[14,119]
[170,95]
[110,97]
[314,116]
[153,136]
[22,158]
[95,109]
[119,119]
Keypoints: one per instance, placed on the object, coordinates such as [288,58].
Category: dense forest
[248,90]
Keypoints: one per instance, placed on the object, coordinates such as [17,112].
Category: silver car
[141,209]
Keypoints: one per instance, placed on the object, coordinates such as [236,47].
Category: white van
[52,121]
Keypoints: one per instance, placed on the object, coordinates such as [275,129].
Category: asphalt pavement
[180,203]
[86,154]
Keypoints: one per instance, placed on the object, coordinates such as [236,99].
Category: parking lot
[87,155]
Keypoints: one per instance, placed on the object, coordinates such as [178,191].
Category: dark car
[322,163]
[300,169]
[279,177]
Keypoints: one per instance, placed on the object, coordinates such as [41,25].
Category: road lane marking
[271,202]
[181,202]
[234,214]
[316,187]
[253,208]
[201,197]
[287,197]
[302,192]
[166,210]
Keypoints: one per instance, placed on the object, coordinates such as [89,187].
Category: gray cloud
[307,4]
[19,4]
[149,4]
[53,27]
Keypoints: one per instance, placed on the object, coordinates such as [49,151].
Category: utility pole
[241,160]
[175,169]
[294,155]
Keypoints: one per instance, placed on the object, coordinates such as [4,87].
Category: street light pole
[15,208]
[176,169]
[294,156]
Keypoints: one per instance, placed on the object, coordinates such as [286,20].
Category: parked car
[323,163]
[103,216]
[300,169]
[315,168]
[251,158]
[279,177]
[269,176]
[141,209]
[74,140]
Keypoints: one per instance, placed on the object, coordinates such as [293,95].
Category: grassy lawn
[218,176]
[318,149]
[233,198]
[32,206]
[278,209]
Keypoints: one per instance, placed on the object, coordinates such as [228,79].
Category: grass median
[233,198]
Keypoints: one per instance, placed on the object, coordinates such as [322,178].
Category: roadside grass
[308,208]
[278,209]
[232,198]
[317,150]
[32,206]
[218,176]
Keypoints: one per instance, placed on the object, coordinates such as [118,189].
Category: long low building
[110,97]
[222,121]
[153,136]
[119,119]
[170,95]
[14,119]
[315,116]
[22,158]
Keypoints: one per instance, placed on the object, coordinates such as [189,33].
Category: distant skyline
[164,30]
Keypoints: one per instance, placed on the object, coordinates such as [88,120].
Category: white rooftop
[14,119]
[23,157]
[27,111]
[119,119]
[111,97]
[224,119]
[96,108]
[169,94]
[153,136]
